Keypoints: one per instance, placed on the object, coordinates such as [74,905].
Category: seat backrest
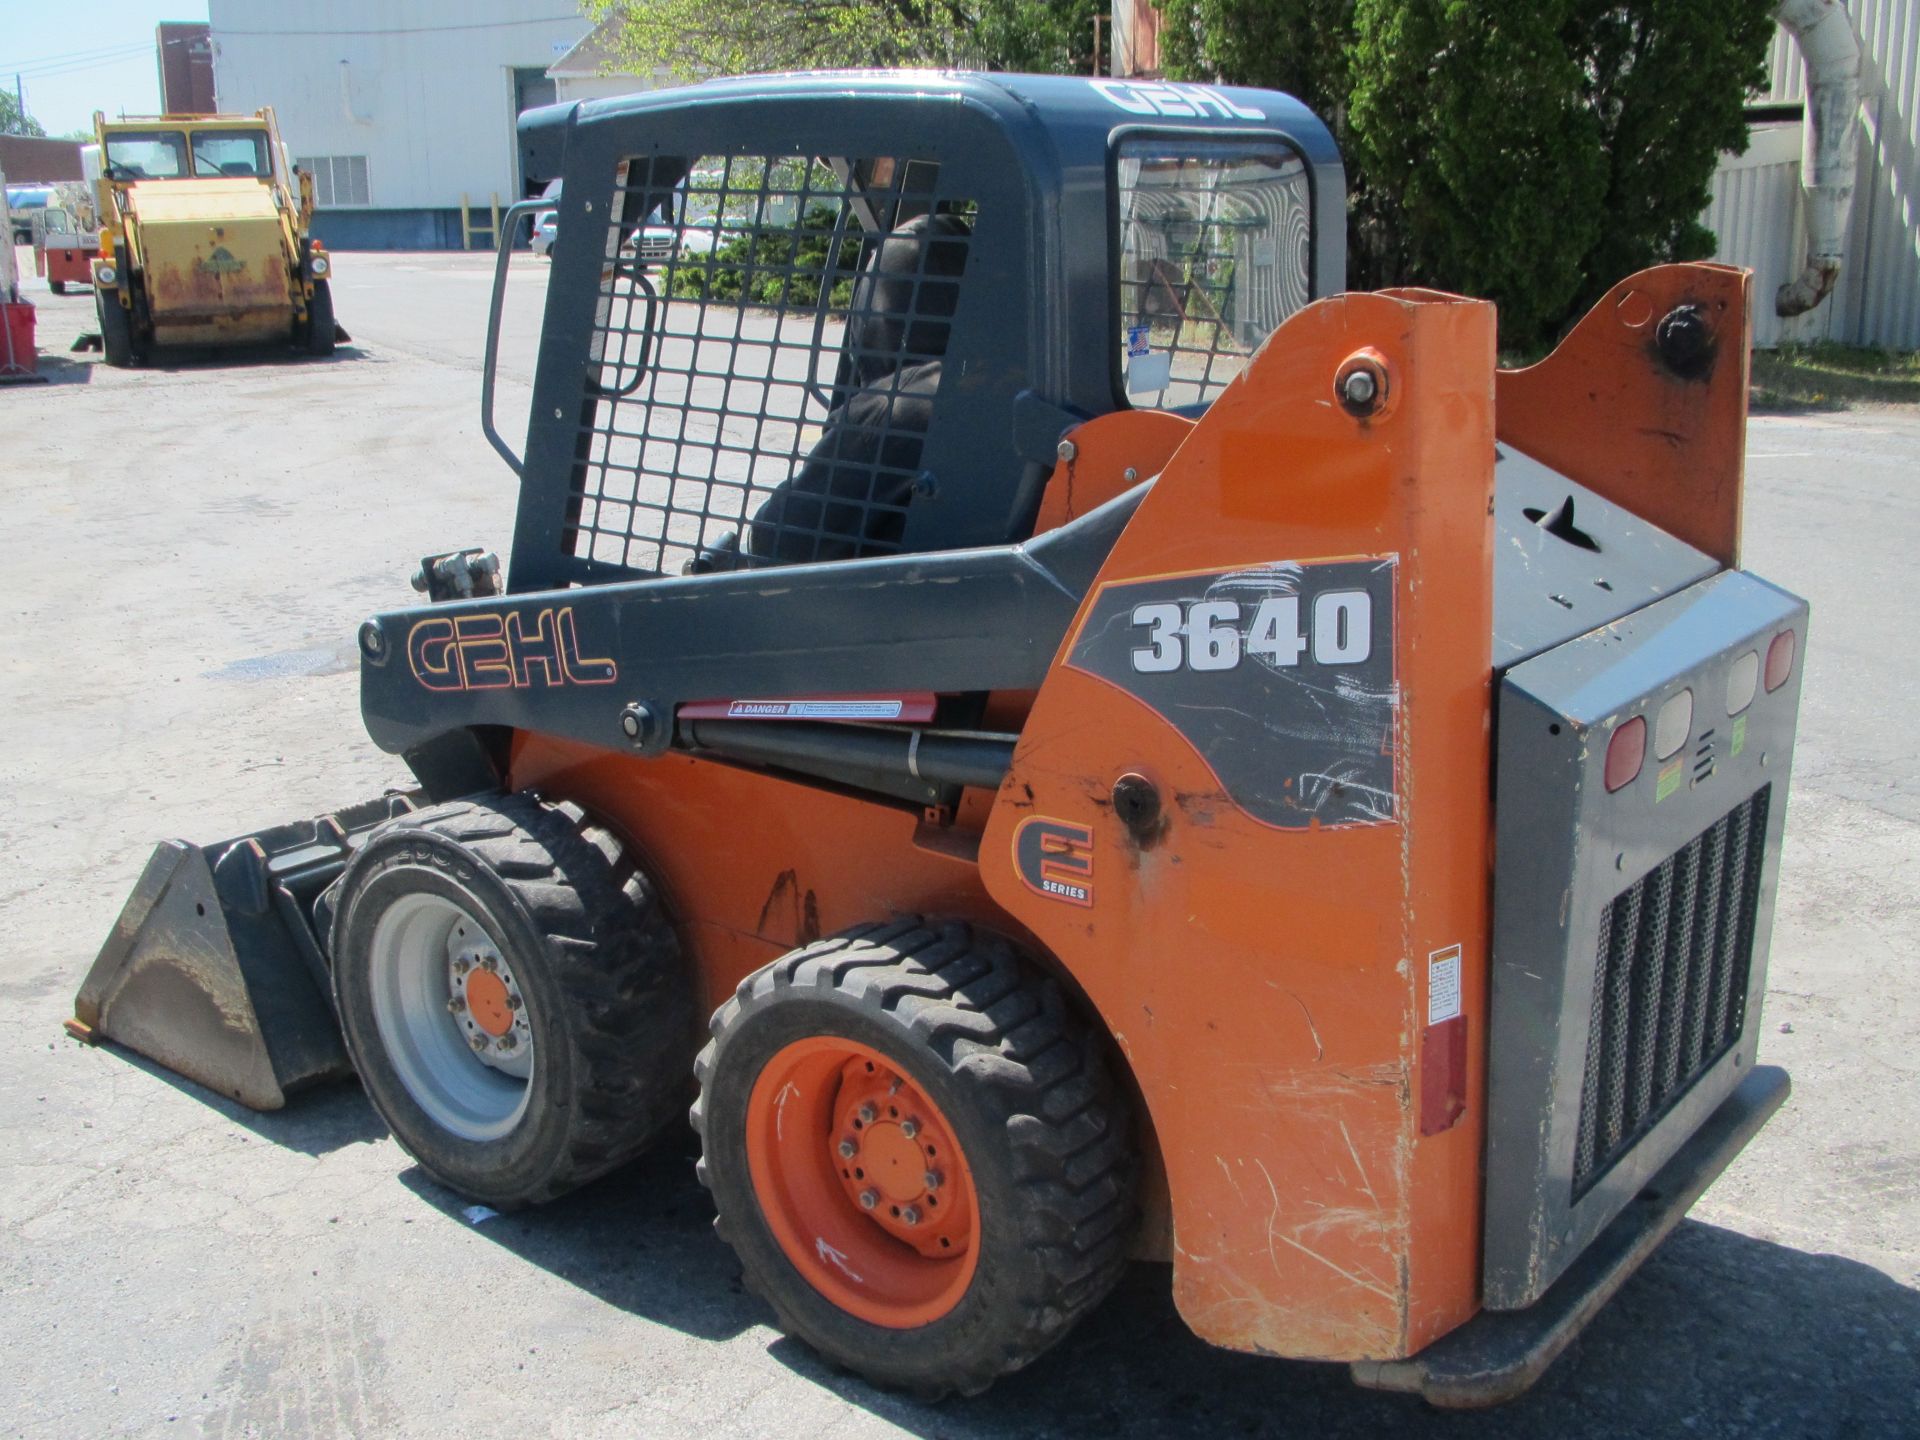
[902,306]
[849,497]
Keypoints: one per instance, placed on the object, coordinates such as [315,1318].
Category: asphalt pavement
[187,549]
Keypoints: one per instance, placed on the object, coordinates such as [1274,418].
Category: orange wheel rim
[863,1182]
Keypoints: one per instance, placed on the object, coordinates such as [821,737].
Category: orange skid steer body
[1364,858]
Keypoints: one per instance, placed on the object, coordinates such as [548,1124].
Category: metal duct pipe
[940,757]
[1832,54]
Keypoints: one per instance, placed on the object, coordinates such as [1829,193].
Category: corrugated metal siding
[1878,299]
[1756,215]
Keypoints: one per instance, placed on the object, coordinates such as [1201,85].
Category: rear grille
[1669,985]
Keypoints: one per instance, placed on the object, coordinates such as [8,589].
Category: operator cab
[205,153]
[846,355]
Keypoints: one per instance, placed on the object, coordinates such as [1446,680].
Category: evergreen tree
[1529,151]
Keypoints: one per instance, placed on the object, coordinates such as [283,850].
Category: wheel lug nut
[455,1004]
[910,1216]
[848,1149]
[867,1114]
[479,1042]
[514,1002]
[869,1199]
[461,965]
[933,1179]
[490,963]
[505,1042]
[909,1128]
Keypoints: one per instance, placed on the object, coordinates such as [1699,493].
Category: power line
[62,63]
[63,56]
[44,72]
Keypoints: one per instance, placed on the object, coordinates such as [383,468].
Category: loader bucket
[216,966]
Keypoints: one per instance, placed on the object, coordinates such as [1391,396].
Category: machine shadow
[1718,1334]
[210,357]
[316,1122]
[641,1239]
[57,369]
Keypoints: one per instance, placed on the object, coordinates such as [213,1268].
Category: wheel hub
[485,1000]
[893,1175]
[489,1002]
[863,1182]
[451,1016]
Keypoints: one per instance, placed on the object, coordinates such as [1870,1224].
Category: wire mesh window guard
[769,340]
[1215,244]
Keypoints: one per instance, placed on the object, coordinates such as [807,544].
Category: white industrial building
[1758,212]
[400,108]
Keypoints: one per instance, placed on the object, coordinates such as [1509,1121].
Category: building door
[531,90]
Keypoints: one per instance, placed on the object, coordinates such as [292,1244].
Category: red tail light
[1626,752]
[1779,660]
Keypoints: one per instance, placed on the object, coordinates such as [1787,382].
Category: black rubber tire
[58,287]
[116,330]
[320,320]
[1024,1083]
[608,996]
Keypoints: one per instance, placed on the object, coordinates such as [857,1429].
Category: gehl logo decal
[1055,859]
[503,651]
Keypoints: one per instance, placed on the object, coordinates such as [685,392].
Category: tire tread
[615,960]
[1001,1027]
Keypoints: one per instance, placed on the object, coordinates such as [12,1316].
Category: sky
[74,59]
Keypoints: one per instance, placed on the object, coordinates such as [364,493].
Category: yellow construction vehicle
[205,238]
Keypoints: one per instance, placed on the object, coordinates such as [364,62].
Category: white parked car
[545,224]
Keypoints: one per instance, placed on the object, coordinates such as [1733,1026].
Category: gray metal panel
[1547,589]
[1566,848]
[990,618]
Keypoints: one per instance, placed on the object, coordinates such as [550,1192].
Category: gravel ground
[188,549]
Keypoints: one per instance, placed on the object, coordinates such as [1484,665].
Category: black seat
[849,497]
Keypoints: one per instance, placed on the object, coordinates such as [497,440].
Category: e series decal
[496,650]
[1054,858]
[1280,675]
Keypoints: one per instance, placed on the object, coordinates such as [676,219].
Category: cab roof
[1074,116]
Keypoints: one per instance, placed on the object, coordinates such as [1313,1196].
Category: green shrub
[1529,151]
[777,266]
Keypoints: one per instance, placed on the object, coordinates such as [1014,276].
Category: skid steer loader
[1065,736]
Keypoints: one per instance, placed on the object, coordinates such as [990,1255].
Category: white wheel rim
[436,978]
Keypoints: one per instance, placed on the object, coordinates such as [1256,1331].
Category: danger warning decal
[1281,675]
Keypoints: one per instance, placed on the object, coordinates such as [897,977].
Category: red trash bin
[17,355]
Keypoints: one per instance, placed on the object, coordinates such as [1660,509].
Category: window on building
[337,179]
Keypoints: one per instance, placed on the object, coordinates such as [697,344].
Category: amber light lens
[1626,752]
[1672,725]
[1779,660]
[1743,681]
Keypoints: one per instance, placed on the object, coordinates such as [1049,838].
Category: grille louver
[1670,984]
